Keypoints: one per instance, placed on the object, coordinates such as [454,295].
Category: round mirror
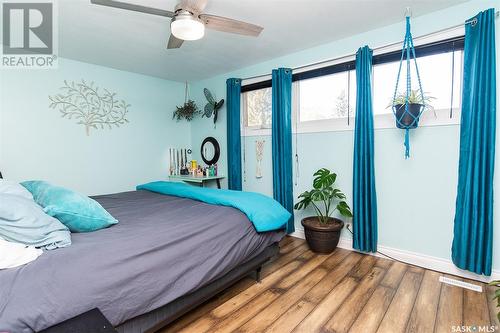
[210,151]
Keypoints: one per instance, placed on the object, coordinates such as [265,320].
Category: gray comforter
[162,248]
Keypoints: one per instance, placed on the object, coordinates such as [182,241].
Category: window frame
[320,125]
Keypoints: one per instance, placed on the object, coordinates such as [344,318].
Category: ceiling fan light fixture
[187,27]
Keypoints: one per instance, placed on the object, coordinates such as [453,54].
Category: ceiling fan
[188,20]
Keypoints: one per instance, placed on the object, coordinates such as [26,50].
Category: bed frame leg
[257,274]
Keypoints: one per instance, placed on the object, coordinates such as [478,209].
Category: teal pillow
[78,212]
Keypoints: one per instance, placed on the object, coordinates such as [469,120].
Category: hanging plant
[188,110]
[212,107]
[408,114]
[417,103]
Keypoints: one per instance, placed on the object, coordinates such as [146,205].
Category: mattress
[162,248]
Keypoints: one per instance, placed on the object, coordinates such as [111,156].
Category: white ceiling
[136,42]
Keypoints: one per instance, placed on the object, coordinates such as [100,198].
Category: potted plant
[496,295]
[187,111]
[323,231]
[416,103]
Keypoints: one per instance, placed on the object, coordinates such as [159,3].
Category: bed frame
[153,321]
[94,321]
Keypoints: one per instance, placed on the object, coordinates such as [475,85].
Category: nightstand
[199,181]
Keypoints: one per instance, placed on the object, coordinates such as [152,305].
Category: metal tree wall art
[89,106]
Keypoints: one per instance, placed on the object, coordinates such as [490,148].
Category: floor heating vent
[462,284]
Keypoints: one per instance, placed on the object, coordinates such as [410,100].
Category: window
[257,105]
[327,97]
[439,73]
[324,98]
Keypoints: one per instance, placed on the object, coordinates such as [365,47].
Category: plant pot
[322,237]
[407,119]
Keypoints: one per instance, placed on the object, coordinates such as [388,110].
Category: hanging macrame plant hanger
[407,110]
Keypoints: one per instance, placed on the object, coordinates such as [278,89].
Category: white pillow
[10,187]
[15,254]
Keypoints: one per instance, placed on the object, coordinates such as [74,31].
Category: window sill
[427,119]
[381,121]
[256,131]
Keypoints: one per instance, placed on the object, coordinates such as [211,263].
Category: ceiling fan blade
[225,24]
[174,42]
[193,6]
[132,7]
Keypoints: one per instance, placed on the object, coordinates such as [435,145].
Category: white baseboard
[299,233]
[419,259]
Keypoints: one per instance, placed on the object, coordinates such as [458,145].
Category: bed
[167,255]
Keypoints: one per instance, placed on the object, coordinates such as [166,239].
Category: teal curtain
[282,141]
[364,195]
[233,90]
[473,231]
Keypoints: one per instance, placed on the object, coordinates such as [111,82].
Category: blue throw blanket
[265,213]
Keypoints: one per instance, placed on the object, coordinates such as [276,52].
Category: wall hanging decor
[408,105]
[89,106]
[212,107]
[259,154]
[210,151]
[188,110]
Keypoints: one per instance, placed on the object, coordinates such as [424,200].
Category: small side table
[200,181]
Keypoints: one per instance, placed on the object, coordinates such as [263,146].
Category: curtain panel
[282,140]
[233,91]
[473,229]
[364,194]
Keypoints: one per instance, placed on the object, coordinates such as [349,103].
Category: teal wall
[36,143]
[416,197]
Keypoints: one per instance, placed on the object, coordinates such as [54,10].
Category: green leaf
[338,194]
[344,209]
[299,205]
[304,203]
[329,191]
[306,200]
[306,194]
[317,195]
[323,178]
[209,96]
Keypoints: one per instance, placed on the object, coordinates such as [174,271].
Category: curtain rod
[374,49]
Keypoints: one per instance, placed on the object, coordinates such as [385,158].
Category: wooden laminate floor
[342,292]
